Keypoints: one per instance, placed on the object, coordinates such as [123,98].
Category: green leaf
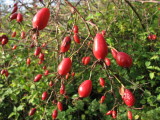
[158,97]
[98,14]
[102,108]
[147,63]
[136,117]
[155,57]
[79,105]
[12,114]
[94,106]
[1,85]
[151,75]
[19,108]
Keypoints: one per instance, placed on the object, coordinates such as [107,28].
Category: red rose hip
[44,95]
[41,19]
[65,66]
[85,88]
[32,111]
[100,49]
[128,98]
[37,78]
[102,82]
[123,59]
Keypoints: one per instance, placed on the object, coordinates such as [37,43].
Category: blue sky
[8,2]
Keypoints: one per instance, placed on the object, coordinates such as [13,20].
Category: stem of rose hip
[92,67]
[116,77]
[80,46]
[137,108]
[47,104]
[83,19]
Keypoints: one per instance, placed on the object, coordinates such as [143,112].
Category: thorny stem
[80,46]
[80,16]
[110,72]
[116,77]
[46,105]
[93,66]
[143,26]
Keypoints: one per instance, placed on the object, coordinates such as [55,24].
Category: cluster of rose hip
[15,15]
[100,51]
[152,37]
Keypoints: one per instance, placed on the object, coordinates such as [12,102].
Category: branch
[134,10]
[79,16]
[149,1]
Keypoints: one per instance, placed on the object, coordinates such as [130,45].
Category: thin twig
[143,26]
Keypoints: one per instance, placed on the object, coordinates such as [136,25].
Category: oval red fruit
[129,114]
[65,66]
[44,67]
[13,16]
[13,34]
[87,60]
[67,76]
[44,44]
[102,99]
[114,53]
[154,37]
[73,74]
[54,114]
[4,40]
[23,34]
[149,37]
[85,88]
[60,106]
[19,17]
[128,98]
[107,61]
[32,45]
[109,112]
[102,82]
[46,72]
[75,29]
[54,102]
[44,95]
[62,89]
[14,9]
[100,49]
[14,47]
[28,61]
[37,78]
[123,59]
[114,114]
[83,59]
[65,44]
[3,71]
[6,73]
[76,38]
[41,56]
[51,83]
[37,51]
[41,19]
[32,111]
[40,62]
